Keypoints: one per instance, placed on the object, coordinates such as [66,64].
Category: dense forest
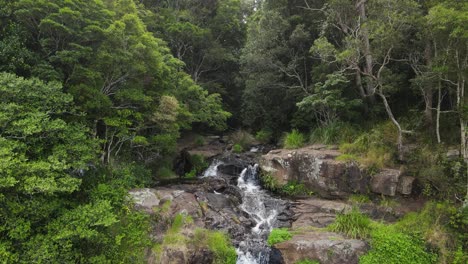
[95,94]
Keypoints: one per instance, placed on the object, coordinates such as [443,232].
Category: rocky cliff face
[319,169]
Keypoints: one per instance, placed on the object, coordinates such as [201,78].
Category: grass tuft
[294,140]
[278,235]
[354,224]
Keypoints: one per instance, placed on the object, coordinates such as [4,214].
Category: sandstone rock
[316,167]
[145,199]
[386,182]
[325,247]
[317,212]
[453,154]
[405,186]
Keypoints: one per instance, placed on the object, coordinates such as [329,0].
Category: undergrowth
[293,140]
[278,235]
[334,133]
[374,149]
[354,224]
[390,246]
[218,243]
[242,138]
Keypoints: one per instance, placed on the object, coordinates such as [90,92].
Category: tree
[448,20]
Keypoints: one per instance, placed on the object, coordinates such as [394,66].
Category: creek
[258,205]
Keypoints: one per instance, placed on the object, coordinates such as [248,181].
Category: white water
[212,170]
[253,203]
[253,250]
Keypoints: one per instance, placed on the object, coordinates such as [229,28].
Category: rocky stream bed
[229,197]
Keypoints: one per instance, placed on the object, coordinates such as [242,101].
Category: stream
[261,207]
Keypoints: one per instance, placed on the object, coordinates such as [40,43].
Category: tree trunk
[395,122]
[428,94]
[439,103]
[362,93]
[367,52]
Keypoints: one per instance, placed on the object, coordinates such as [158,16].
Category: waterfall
[262,208]
[254,200]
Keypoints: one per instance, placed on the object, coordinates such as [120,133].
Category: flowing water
[261,207]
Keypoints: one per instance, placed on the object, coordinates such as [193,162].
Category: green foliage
[441,224]
[334,133]
[306,261]
[278,235]
[294,140]
[359,199]
[391,246]
[264,136]
[242,138]
[440,178]
[327,103]
[218,243]
[200,141]
[165,173]
[237,148]
[269,182]
[294,188]
[354,224]
[375,149]
[199,163]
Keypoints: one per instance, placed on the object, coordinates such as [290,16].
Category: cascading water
[261,208]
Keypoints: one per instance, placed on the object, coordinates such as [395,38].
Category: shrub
[374,149]
[359,199]
[293,140]
[242,138]
[441,224]
[218,243]
[389,246]
[354,224]
[199,163]
[264,136]
[334,133]
[237,148]
[278,235]
[165,173]
[293,188]
[347,158]
[200,141]
[269,182]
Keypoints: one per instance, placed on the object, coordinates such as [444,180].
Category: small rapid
[261,207]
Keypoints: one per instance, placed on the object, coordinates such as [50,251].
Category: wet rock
[325,247]
[316,167]
[385,182]
[276,257]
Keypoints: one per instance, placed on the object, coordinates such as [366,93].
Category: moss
[237,148]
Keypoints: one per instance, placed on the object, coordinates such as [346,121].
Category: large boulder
[390,182]
[325,247]
[317,212]
[317,167]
